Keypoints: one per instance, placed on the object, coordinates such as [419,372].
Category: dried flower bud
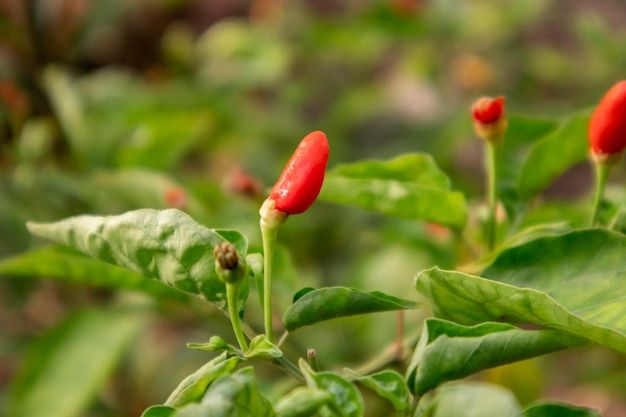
[489,118]
[228,264]
[301,180]
[607,128]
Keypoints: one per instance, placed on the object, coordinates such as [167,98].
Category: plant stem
[399,334]
[290,368]
[491,161]
[390,355]
[232,295]
[602,171]
[268,234]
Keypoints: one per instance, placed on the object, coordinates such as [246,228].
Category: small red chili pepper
[301,180]
[488,110]
[607,129]
[489,119]
[176,198]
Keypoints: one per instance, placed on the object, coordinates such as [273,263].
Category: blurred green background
[109,106]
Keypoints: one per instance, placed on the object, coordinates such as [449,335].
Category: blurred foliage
[109,106]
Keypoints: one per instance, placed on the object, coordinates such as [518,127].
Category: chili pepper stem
[602,171]
[491,161]
[268,234]
[232,296]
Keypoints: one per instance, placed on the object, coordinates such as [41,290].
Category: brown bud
[226,256]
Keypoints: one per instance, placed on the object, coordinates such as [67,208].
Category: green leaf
[215,344]
[65,369]
[262,348]
[582,270]
[521,134]
[68,108]
[410,186]
[234,395]
[531,233]
[158,411]
[572,282]
[65,264]
[117,190]
[559,410]
[333,302]
[302,402]
[151,142]
[474,400]
[554,154]
[449,351]
[388,384]
[417,168]
[165,245]
[346,399]
[193,387]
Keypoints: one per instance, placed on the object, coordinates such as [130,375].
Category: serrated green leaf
[409,186]
[193,387]
[262,348]
[65,369]
[165,245]
[572,282]
[302,402]
[449,351]
[333,302]
[388,384]
[559,410]
[158,411]
[554,154]
[65,264]
[475,400]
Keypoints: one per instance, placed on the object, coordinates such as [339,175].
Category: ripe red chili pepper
[489,120]
[607,129]
[301,180]
[487,109]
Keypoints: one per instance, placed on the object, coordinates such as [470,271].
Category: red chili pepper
[176,198]
[488,110]
[489,120]
[301,180]
[607,129]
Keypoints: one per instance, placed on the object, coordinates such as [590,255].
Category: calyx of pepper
[271,217]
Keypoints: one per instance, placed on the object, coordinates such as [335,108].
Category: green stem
[390,355]
[491,160]
[602,171]
[268,234]
[290,368]
[232,296]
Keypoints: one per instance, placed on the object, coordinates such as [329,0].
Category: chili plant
[522,288]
